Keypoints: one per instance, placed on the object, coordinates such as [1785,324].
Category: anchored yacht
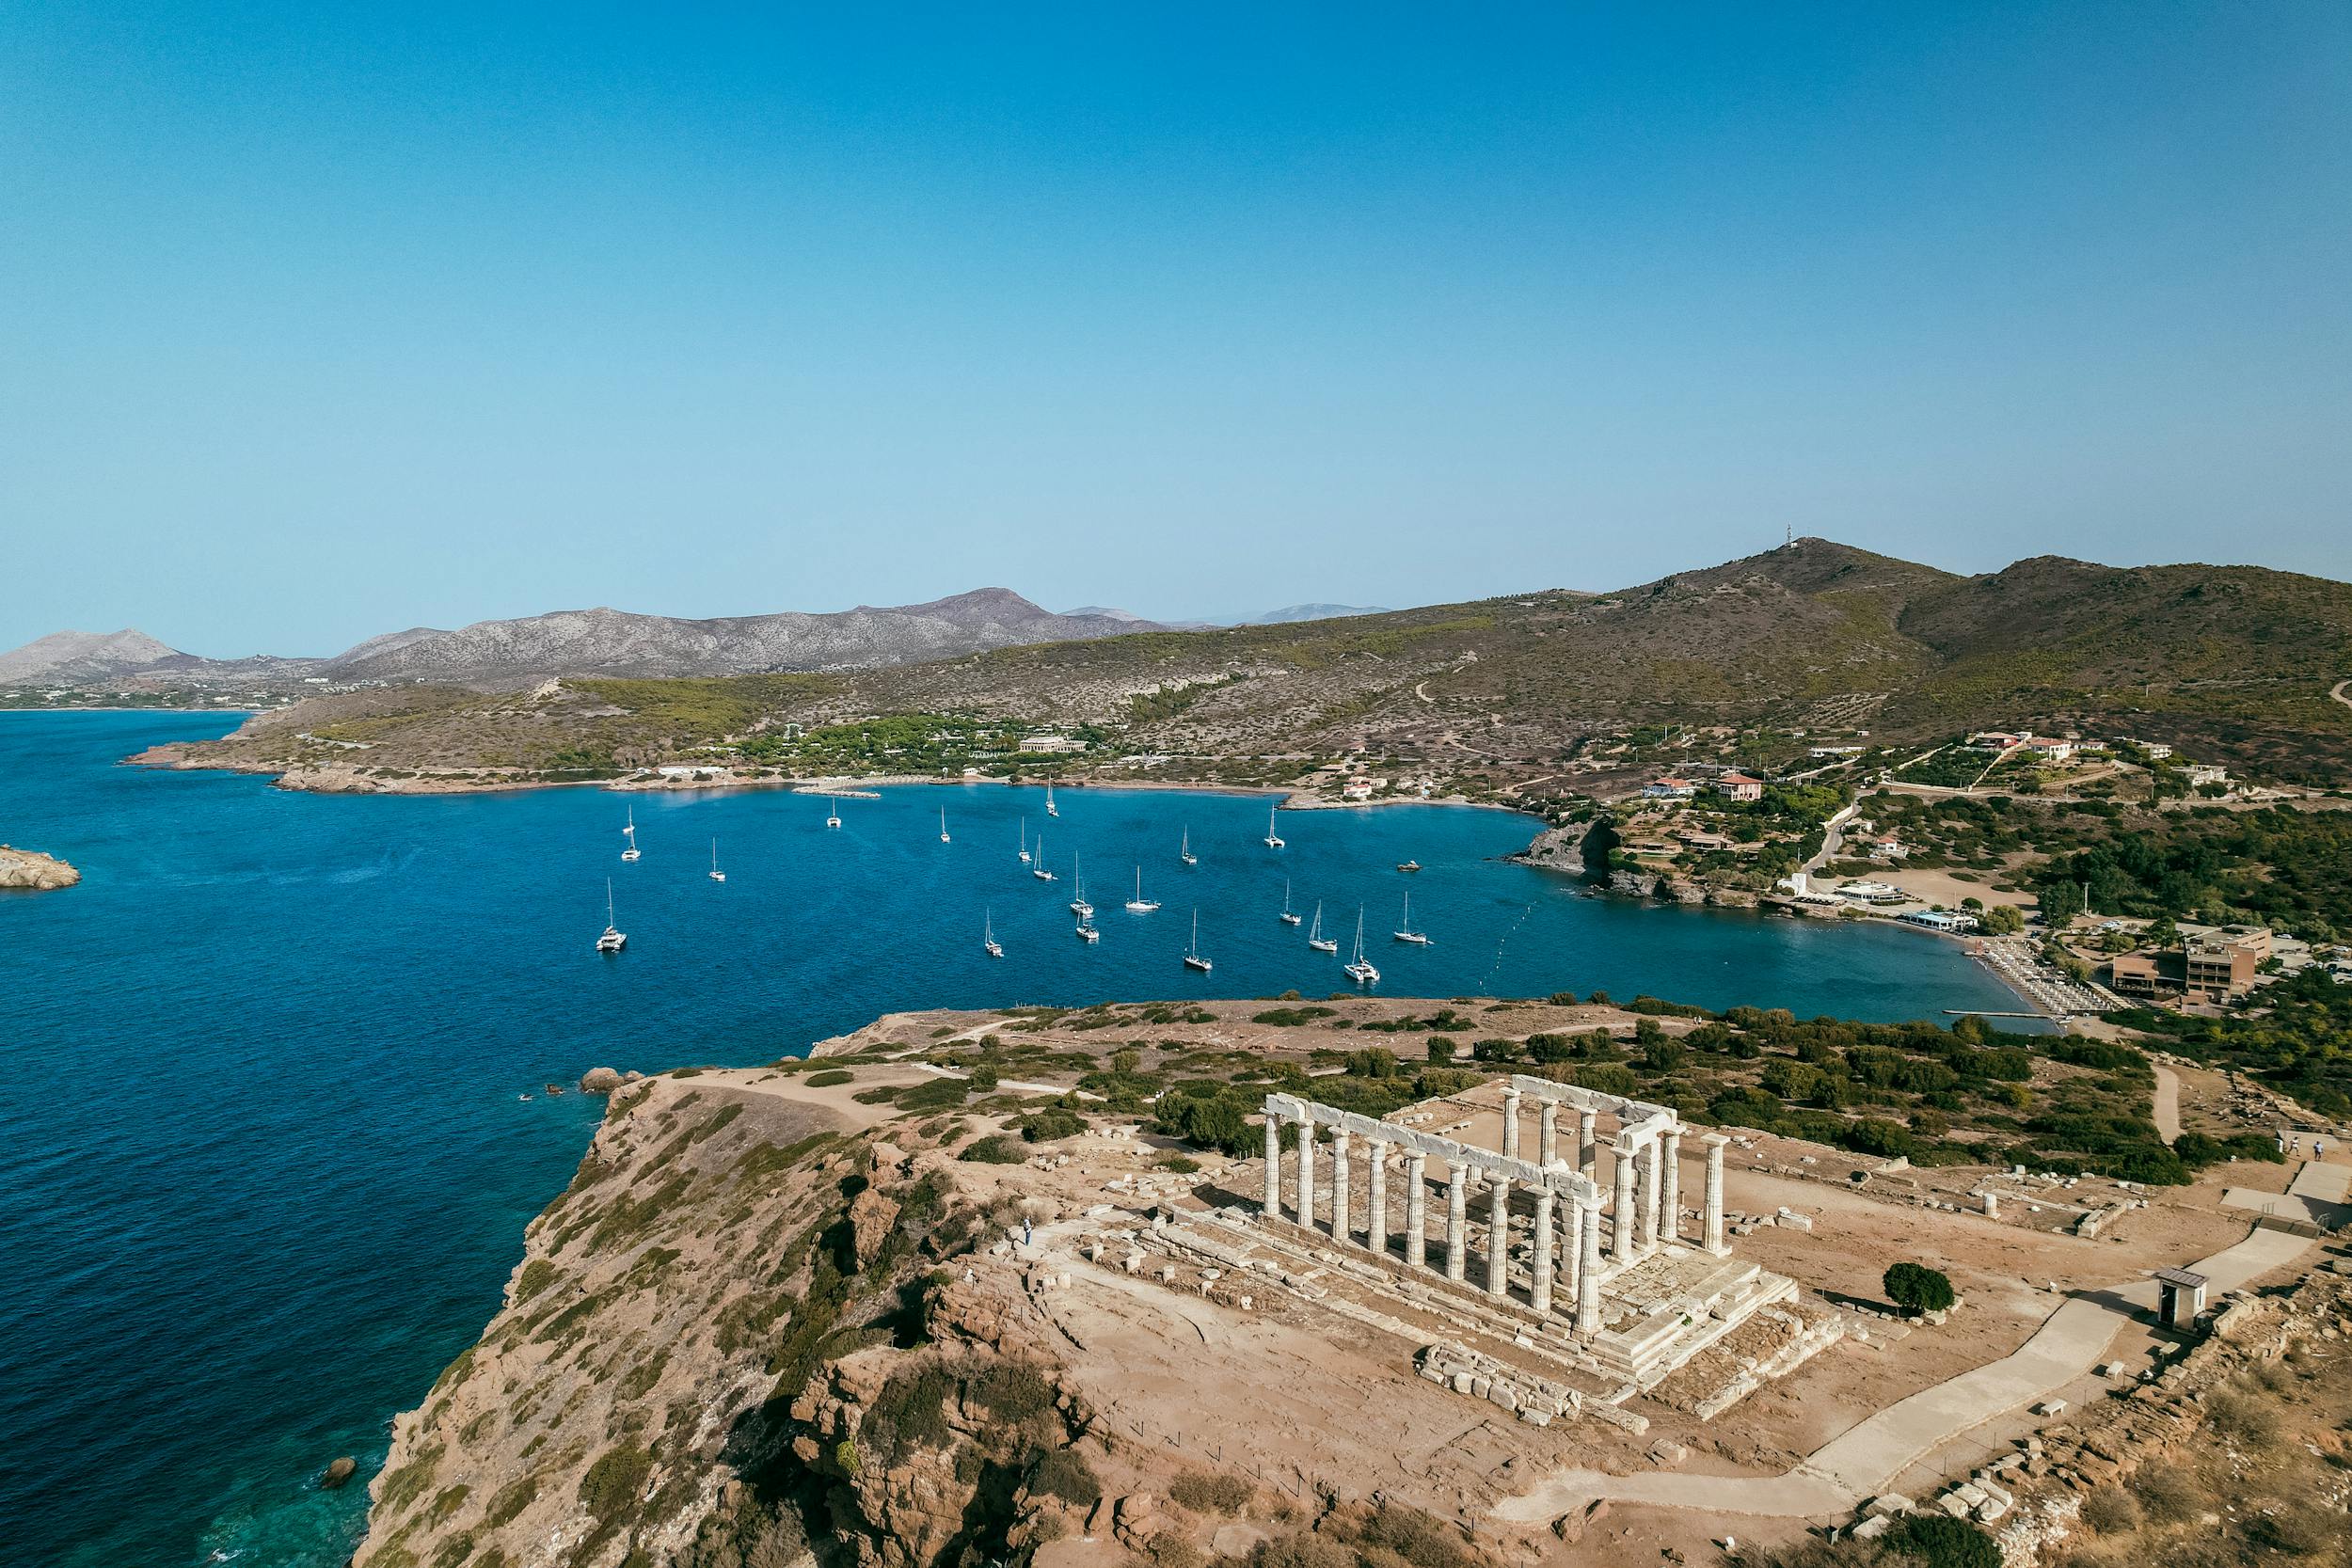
[1315,939]
[614,939]
[1192,955]
[1359,968]
[1405,931]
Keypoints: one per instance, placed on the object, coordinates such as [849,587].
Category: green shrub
[1916,1287]
[511,1499]
[828,1077]
[995,1150]
[537,1277]
[1204,1492]
[1052,1124]
[1940,1541]
[615,1482]
[1064,1473]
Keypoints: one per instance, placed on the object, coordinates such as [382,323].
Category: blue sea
[264,1158]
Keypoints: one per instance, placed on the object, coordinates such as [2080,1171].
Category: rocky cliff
[29,868]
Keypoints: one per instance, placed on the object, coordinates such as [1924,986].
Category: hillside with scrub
[2235,663]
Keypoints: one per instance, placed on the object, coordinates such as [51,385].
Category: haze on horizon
[319,325]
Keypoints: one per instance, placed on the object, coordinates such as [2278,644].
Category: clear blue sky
[319,321]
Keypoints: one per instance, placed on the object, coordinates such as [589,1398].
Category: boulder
[599,1080]
[339,1472]
[872,1214]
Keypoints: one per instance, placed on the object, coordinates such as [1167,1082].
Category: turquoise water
[262,1164]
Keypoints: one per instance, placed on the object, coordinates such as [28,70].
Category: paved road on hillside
[1860,1461]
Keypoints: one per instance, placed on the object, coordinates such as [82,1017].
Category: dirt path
[1862,1459]
[2337,693]
[2167,1102]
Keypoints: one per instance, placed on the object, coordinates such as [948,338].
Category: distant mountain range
[606,642]
[610,643]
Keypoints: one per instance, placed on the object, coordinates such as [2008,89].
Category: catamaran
[1315,939]
[1051,809]
[716,875]
[1273,839]
[1078,905]
[1290,916]
[1359,968]
[1192,955]
[988,936]
[614,939]
[1039,870]
[1024,841]
[942,825]
[1139,904]
[1185,851]
[1404,932]
[833,813]
[630,832]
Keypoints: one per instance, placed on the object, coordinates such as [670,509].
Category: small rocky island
[32,870]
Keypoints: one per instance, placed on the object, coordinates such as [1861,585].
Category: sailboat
[1024,841]
[614,939]
[716,875]
[631,834]
[1273,839]
[1192,955]
[1185,851]
[1078,905]
[988,936]
[1086,931]
[1290,916]
[1039,870]
[1359,968]
[1406,932]
[1315,939]
[833,813]
[942,825]
[1139,904]
[1051,809]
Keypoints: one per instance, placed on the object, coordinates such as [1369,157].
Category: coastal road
[1863,1460]
[1833,839]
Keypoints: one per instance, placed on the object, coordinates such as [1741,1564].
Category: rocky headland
[32,870]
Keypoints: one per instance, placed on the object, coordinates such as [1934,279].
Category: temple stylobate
[1595,1260]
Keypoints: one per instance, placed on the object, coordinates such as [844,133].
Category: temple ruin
[1596,1272]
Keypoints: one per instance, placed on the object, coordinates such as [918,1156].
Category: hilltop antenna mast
[1789,533]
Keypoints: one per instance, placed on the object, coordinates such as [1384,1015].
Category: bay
[264,1161]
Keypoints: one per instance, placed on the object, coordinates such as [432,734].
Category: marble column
[1547,1133]
[1499,1242]
[1587,1148]
[1342,1220]
[1457,1217]
[1306,1173]
[1539,1292]
[1273,1169]
[1621,1215]
[1714,1214]
[1670,1200]
[1376,1221]
[1588,1269]
[1571,1247]
[1416,1211]
[1511,1124]
[1649,1197]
